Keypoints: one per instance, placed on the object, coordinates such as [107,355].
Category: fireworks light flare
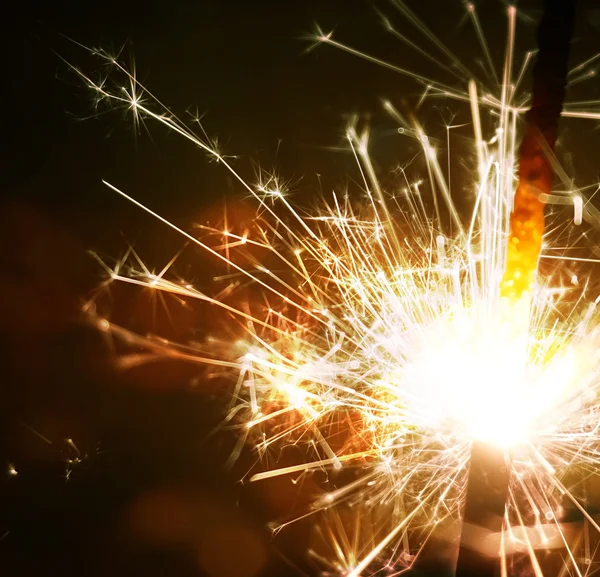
[383,345]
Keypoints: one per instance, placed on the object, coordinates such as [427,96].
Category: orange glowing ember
[527,217]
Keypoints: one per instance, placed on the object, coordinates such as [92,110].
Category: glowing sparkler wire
[537,147]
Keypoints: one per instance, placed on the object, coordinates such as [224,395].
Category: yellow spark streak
[385,541]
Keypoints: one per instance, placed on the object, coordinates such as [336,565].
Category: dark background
[144,490]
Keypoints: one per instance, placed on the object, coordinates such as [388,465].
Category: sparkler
[379,345]
[488,476]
